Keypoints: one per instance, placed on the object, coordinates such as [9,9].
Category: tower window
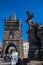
[11,34]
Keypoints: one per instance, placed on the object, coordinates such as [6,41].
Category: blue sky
[19,7]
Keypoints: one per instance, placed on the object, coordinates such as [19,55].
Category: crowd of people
[13,57]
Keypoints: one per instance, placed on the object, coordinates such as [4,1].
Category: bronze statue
[35,38]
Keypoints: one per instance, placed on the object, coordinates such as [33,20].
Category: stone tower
[12,34]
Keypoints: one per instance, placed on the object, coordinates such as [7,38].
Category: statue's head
[14,50]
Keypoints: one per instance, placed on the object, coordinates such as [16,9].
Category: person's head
[14,50]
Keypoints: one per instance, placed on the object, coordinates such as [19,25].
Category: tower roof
[13,17]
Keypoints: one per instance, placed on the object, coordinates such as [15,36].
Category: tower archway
[9,48]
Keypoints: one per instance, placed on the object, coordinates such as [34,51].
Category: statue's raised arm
[30,16]
[30,19]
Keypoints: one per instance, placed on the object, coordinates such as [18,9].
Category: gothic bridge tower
[12,35]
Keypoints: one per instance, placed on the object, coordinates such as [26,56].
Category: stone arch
[6,50]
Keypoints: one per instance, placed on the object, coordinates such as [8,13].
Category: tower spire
[13,17]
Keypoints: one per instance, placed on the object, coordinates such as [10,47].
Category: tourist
[14,55]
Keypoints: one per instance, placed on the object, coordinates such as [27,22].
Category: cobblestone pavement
[4,63]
